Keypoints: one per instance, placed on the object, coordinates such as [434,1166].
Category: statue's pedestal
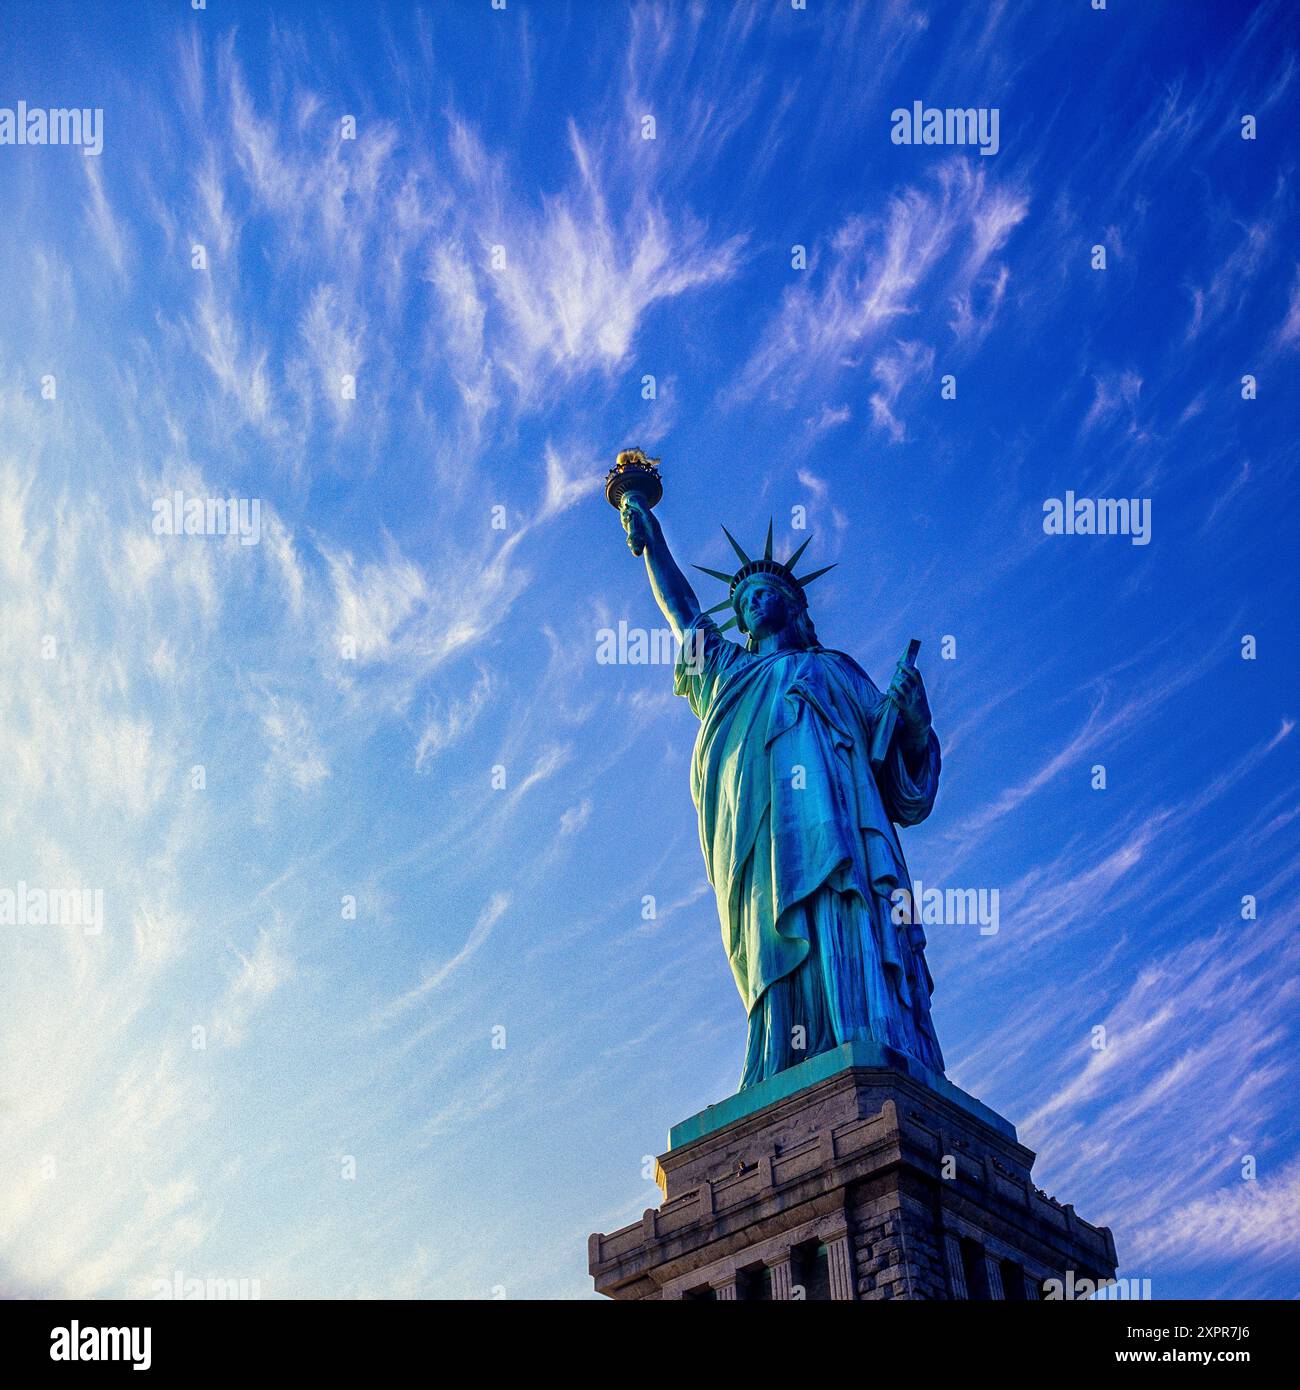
[857,1174]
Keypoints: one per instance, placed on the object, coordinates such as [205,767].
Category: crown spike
[726,627]
[718,607]
[816,574]
[794,559]
[767,544]
[744,559]
[716,574]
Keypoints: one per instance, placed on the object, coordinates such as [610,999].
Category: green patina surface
[820,1068]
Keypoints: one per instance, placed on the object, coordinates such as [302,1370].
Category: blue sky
[127,1152]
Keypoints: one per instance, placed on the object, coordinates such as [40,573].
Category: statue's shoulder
[704,649]
[849,670]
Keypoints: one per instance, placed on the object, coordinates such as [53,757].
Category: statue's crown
[780,570]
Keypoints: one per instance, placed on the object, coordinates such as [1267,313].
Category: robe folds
[800,846]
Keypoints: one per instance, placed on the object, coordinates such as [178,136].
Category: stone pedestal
[857,1174]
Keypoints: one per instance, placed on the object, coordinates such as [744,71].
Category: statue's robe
[800,845]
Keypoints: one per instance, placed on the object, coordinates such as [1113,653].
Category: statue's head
[766,596]
[766,605]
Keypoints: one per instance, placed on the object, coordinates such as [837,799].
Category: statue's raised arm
[671,588]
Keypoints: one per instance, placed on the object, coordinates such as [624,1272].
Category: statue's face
[765,608]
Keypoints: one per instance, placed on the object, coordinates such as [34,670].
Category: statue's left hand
[907,690]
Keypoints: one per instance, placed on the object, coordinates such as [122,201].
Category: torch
[633,475]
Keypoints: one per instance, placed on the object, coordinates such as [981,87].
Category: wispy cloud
[874,273]
[434,979]
[1251,1220]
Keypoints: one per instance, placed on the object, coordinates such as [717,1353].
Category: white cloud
[294,748]
[1247,1221]
[1289,330]
[496,908]
[565,489]
[893,371]
[451,722]
[104,225]
[576,817]
[241,371]
[573,279]
[374,600]
[262,971]
[876,272]
[334,344]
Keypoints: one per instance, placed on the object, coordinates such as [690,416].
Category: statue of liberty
[797,818]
